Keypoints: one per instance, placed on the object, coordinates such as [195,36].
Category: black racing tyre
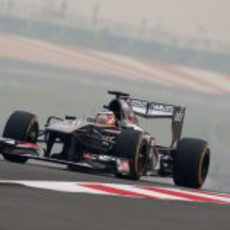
[21,126]
[191,163]
[132,145]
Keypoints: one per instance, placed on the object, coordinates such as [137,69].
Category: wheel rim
[142,158]
[32,133]
[204,166]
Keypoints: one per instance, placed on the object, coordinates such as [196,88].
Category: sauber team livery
[112,141]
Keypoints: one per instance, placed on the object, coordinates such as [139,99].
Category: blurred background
[60,57]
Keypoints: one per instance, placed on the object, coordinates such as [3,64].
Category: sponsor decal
[123,166]
[161,108]
[179,116]
[28,145]
[151,108]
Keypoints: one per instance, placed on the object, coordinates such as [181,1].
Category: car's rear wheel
[21,126]
[132,145]
[191,163]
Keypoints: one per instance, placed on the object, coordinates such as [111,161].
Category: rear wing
[148,109]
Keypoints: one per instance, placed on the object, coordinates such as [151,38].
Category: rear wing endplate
[148,109]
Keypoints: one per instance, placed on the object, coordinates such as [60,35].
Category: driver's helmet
[106,118]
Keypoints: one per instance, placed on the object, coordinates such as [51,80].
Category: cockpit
[122,111]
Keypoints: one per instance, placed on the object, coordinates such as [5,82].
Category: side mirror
[91,119]
[67,117]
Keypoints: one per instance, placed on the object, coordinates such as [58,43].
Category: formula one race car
[111,141]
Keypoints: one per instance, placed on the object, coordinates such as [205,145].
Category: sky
[199,18]
[205,18]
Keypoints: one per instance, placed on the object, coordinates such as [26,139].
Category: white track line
[155,195]
[207,195]
[124,190]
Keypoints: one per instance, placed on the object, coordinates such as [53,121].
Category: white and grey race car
[112,141]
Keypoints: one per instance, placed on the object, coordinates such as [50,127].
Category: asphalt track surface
[29,208]
[51,90]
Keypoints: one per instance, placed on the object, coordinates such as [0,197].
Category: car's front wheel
[21,126]
[133,146]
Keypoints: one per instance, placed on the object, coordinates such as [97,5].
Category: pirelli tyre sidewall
[132,145]
[21,126]
[191,163]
